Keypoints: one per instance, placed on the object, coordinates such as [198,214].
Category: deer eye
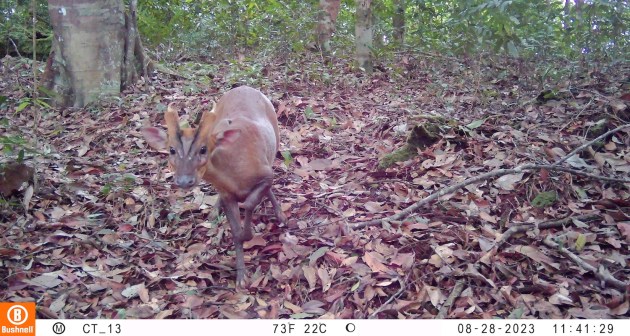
[203,150]
[172,151]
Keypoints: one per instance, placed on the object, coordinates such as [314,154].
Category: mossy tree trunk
[96,50]
[328,12]
[364,31]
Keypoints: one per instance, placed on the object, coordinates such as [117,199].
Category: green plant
[288,158]
[118,183]
[27,101]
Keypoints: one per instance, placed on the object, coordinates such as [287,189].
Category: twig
[602,273]
[15,47]
[579,172]
[582,147]
[495,173]
[526,227]
[444,191]
[576,116]
[403,286]
[457,290]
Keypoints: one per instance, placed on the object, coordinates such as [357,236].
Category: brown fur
[241,138]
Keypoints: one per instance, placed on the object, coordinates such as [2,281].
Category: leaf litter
[103,235]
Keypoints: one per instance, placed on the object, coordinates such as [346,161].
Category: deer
[233,148]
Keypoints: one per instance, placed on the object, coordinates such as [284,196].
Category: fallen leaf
[375,261]
[255,241]
[373,207]
[45,280]
[325,278]
[507,182]
[536,255]
[312,259]
[624,229]
[310,273]
[320,164]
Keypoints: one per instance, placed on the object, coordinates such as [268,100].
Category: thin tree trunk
[95,52]
[328,12]
[364,31]
[398,21]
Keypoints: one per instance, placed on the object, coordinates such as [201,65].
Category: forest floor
[103,235]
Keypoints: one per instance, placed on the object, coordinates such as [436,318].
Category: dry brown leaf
[325,279]
[624,229]
[536,255]
[508,182]
[320,164]
[373,207]
[375,261]
[349,261]
[404,260]
[435,295]
[255,241]
[310,273]
[295,309]
[45,280]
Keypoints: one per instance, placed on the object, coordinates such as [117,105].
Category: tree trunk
[364,31]
[328,12]
[96,50]
[398,21]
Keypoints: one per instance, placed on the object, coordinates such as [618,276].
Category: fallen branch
[529,226]
[455,293]
[582,147]
[492,174]
[602,273]
[579,172]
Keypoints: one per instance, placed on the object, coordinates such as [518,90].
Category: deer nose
[184,181]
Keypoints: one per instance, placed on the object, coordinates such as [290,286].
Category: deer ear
[206,124]
[228,130]
[172,120]
[228,135]
[155,137]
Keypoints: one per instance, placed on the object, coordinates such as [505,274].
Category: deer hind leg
[250,203]
[276,206]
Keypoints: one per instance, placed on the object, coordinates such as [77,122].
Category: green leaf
[122,313]
[549,94]
[512,49]
[42,103]
[317,254]
[308,112]
[107,188]
[475,124]
[545,199]
[301,315]
[355,286]
[23,105]
[516,313]
[581,193]
[288,159]
[580,242]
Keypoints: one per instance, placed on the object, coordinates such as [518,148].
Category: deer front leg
[214,215]
[230,207]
